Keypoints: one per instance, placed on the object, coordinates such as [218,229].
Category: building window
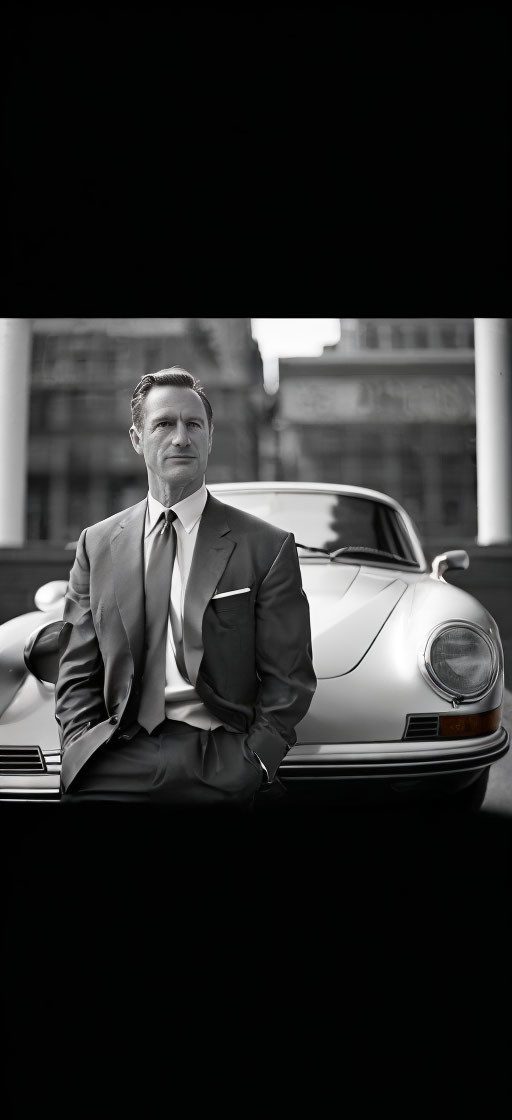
[152,359]
[37,508]
[370,336]
[451,507]
[38,412]
[110,363]
[420,337]
[80,362]
[447,335]
[44,352]
[59,413]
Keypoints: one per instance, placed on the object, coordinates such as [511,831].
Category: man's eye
[162,423]
[193,424]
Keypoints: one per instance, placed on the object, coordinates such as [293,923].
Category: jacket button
[113,719]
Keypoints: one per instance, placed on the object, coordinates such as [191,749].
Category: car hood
[348,606]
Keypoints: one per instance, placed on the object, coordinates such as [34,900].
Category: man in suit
[185,649]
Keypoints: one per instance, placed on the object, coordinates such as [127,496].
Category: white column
[15,342]
[493,390]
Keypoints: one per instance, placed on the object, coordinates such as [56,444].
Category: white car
[409,667]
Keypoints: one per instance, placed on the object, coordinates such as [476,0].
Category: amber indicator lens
[463,727]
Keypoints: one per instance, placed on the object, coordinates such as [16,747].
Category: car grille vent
[422,727]
[21,760]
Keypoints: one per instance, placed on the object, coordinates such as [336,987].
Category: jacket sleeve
[79,698]
[283,659]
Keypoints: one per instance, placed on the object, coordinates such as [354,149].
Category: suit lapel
[127,547]
[211,554]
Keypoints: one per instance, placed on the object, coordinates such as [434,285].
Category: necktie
[177,633]
[158,589]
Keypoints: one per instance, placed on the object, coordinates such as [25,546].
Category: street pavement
[498,798]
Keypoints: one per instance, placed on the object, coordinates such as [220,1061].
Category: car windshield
[328,521]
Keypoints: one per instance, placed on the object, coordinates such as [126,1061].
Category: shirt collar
[188,511]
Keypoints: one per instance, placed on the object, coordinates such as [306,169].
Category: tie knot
[169,516]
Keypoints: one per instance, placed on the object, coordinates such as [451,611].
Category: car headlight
[461,660]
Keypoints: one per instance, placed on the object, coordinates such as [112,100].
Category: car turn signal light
[464,727]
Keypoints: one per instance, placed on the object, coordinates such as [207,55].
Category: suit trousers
[176,764]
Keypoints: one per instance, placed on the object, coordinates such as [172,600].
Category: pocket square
[224,594]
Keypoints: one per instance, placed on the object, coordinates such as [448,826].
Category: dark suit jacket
[255,674]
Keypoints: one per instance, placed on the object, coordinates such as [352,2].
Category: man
[185,648]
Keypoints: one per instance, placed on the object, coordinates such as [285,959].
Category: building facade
[392,407]
[81,464]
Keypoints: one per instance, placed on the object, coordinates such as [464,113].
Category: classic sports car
[409,667]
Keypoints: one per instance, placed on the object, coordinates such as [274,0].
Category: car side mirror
[41,653]
[49,594]
[456,558]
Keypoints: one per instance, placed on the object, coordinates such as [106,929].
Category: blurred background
[399,405]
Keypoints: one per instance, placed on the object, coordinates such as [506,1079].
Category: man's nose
[181,436]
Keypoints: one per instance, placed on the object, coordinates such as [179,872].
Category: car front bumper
[321,762]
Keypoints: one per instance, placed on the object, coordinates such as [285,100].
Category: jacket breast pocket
[232,612]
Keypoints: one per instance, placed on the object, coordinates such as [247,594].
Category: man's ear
[210,440]
[136,440]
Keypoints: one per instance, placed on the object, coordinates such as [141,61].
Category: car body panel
[357,611]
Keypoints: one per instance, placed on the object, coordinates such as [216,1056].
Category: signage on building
[447,398]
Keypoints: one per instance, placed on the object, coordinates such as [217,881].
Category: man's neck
[169,495]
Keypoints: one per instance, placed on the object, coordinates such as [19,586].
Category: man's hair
[173,376]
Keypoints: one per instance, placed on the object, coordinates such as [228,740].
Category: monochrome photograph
[376,456]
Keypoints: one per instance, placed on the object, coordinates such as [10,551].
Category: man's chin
[185,473]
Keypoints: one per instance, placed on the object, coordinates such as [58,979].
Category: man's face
[175,440]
